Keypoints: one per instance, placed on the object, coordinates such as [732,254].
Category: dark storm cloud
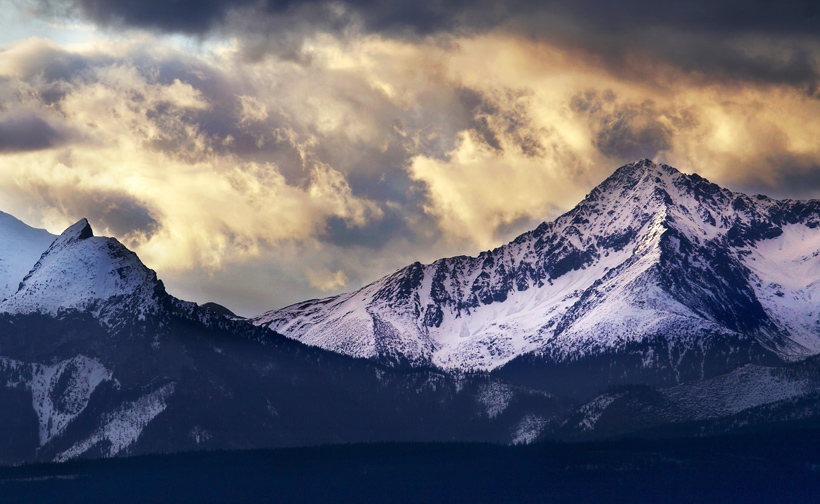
[391,226]
[427,16]
[120,213]
[737,16]
[758,40]
[199,16]
[704,56]
[803,182]
[626,131]
[502,114]
[793,176]
[115,212]
[23,132]
[187,16]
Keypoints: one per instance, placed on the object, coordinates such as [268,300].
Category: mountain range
[661,305]
[673,275]
[97,359]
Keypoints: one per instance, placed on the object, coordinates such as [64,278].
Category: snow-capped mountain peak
[650,254]
[80,230]
[80,271]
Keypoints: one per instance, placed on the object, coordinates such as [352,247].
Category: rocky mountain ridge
[650,254]
[661,305]
[98,360]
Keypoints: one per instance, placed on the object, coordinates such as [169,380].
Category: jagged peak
[83,272]
[628,178]
[80,230]
[647,179]
[644,169]
[649,239]
[645,164]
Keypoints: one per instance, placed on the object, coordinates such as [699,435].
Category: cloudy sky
[261,152]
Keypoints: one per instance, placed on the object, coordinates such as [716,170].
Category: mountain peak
[80,230]
[83,272]
[649,252]
[643,169]
[640,179]
[645,163]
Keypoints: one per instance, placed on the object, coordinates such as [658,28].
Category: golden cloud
[479,132]
[210,206]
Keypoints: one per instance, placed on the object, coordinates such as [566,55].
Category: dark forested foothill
[782,467]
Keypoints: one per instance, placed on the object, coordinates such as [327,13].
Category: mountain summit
[653,263]
[80,271]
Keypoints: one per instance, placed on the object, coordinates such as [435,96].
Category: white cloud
[326,281]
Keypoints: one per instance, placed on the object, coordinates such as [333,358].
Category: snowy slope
[86,273]
[742,389]
[748,397]
[650,253]
[20,247]
[97,360]
[122,427]
[59,392]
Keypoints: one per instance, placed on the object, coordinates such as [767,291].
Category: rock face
[654,268]
[97,359]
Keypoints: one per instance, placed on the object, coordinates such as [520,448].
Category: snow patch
[59,392]
[494,397]
[122,427]
[787,270]
[593,410]
[199,434]
[528,429]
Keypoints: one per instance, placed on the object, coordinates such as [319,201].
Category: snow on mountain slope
[651,253]
[744,388]
[786,280]
[122,427]
[20,247]
[97,360]
[82,272]
[749,396]
[59,392]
